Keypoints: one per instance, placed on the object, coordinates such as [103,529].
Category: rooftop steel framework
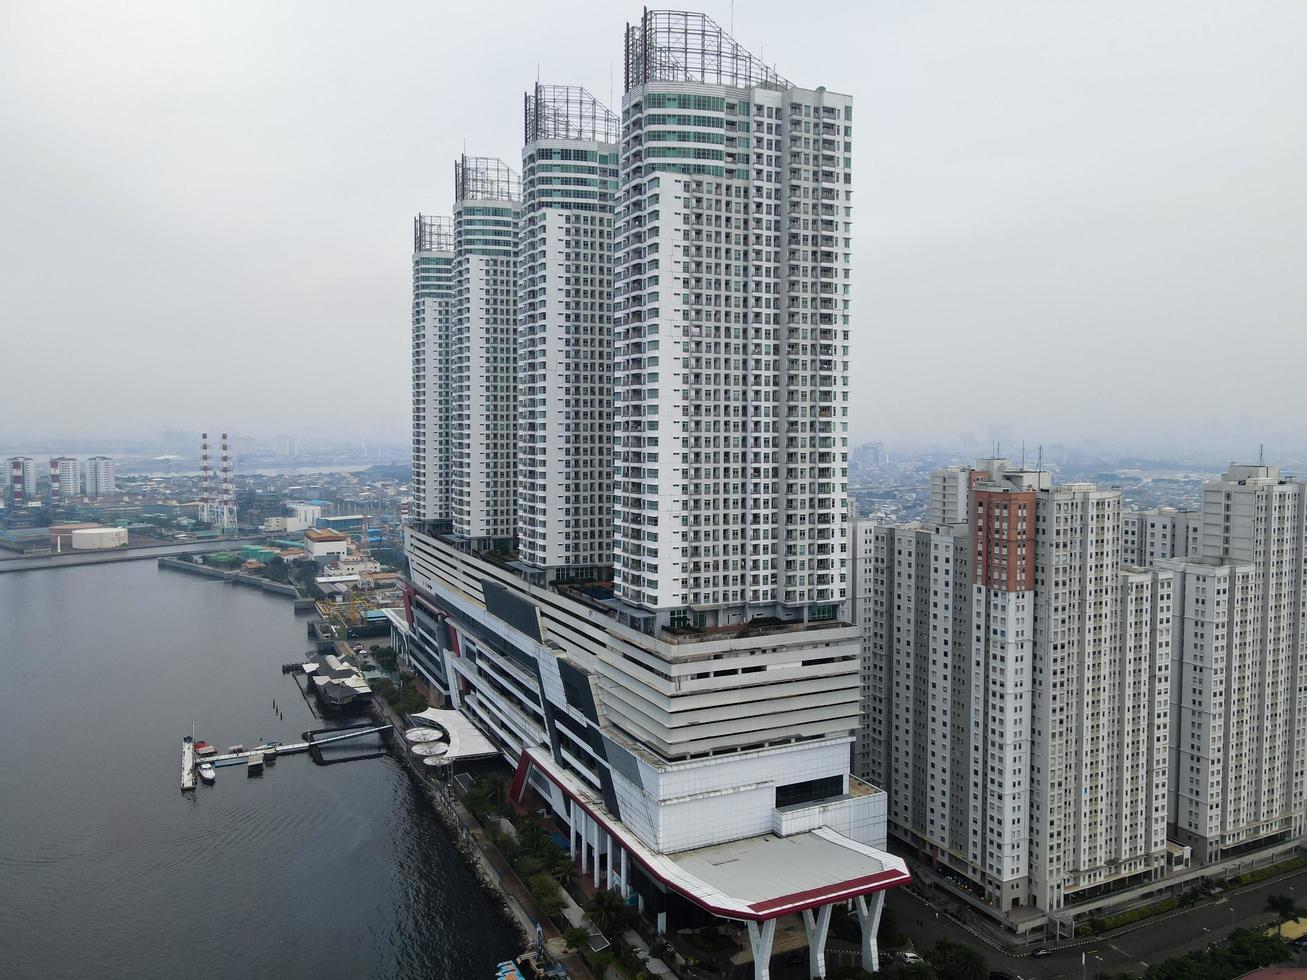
[485,179]
[687,46]
[433,233]
[566,112]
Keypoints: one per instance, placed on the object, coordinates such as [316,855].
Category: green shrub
[1135,915]
[1261,874]
[546,894]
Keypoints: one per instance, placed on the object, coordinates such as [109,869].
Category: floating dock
[254,759]
[188,762]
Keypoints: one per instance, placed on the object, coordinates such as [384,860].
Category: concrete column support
[817,926]
[612,865]
[626,870]
[869,908]
[761,935]
[581,834]
[594,840]
[662,923]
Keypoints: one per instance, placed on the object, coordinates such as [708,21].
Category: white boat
[207,772]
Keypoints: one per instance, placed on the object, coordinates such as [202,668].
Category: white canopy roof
[465,739]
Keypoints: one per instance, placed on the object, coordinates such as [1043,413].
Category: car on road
[1039,954]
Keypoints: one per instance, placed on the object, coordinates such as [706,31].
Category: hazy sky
[1072,219]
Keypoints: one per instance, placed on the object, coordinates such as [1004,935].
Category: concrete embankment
[240,578]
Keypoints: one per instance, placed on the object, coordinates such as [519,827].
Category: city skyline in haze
[1071,223]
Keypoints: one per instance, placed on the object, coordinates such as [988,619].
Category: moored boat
[207,772]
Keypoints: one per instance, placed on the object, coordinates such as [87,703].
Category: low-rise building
[325,546]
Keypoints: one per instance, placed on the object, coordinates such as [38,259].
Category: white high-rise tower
[731,334]
[433,282]
[483,353]
[565,354]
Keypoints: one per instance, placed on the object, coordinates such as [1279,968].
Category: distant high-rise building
[1240,745]
[565,336]
[1148,536]
[98,476]
[998,648]
[869,454]
[433,289]
[65,480]
[483,352]
[285,446]
[917,668]
[20,484]
[870,749]
[731,335]
[950,489]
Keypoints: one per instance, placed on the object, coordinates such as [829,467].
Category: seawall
[240,578]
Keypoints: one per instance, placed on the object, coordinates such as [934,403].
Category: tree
[1284,907]
[1252,949]
[562,868]
[575,937]
[609,912]
[957,961]
[888,935]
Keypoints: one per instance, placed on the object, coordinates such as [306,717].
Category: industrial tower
[217,495]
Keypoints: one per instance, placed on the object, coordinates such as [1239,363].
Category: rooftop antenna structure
[217,494]
[226,510]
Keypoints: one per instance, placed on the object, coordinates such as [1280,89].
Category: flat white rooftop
[778,875]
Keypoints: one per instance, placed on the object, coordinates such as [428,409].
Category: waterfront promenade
[491,867]
[73,558]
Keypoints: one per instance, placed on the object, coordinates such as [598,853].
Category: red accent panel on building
[1003,531]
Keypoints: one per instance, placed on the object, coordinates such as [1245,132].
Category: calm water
[108,870]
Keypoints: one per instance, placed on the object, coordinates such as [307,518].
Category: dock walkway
[269,751]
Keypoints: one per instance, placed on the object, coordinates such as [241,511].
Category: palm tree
[1284,907]
[561,869]
[609,912]
[532,838]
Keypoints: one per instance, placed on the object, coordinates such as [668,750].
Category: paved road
[1149,943]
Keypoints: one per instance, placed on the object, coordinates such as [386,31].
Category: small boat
[207,772]
[204,750]
[235,748]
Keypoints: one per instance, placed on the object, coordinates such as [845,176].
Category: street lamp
[1099,973]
